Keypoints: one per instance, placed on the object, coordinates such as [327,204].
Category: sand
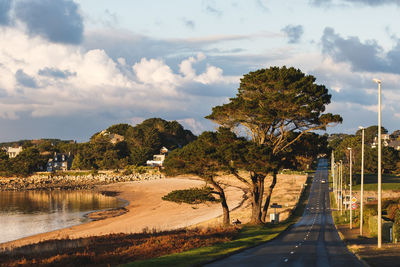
[145,211]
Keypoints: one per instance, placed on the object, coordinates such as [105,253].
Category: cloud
[57,21]
[294,33]
[367,56]
[324,3]
[5,7]
[72,82]
[189,23]
[133,47]
[211,8]
[24,79]
[191,123]
[56,73]
[262,5]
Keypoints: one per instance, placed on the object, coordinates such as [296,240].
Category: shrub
[191,196]
[131,169]
[392,210]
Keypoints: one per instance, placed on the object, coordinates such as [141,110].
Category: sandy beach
[145,211]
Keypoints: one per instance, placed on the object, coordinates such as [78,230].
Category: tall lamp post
[341,187]
[379,166]
[333,171]
[362,182]
[351,196]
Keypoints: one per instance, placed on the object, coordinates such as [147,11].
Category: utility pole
[341,187]
[379,166]
[333,169]
[351,182]
[362,182]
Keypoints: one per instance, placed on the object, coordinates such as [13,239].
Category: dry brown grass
[286,193]
[113,249]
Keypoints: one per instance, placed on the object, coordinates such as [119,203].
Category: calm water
[27,213]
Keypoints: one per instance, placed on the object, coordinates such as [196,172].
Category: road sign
[354,206]
[353,200]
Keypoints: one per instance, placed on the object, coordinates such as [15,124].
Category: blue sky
[71,68]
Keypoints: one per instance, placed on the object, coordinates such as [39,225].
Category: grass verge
[374,187]
[249,236]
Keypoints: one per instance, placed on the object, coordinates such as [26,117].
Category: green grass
[389,182]
[374,187]
[249,236]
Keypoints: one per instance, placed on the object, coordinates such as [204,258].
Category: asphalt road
[313,241]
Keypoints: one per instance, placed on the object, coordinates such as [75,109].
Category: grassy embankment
[249,236]
[389,182]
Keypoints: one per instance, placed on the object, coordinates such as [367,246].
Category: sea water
[28,213]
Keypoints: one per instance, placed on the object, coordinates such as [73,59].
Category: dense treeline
[28,161]
[139,144]
[390,156]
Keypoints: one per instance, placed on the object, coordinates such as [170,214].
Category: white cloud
[90,81]
[191,123]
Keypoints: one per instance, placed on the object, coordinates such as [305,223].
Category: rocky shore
[69,182]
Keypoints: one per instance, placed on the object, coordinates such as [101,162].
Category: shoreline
[145,210]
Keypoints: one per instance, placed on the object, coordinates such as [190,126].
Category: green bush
[372,223]
[396,226]
[191,196]
[131,169]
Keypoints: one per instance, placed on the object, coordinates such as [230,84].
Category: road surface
[313,241]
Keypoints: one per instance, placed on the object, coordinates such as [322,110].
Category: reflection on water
[27,213]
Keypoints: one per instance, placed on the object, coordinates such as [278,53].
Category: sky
[70,68]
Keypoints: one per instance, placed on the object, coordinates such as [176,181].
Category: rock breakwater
[69,182]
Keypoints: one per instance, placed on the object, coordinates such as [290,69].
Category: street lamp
[351,197]
[362,181]
[379,82]
[333,170]
[341,187]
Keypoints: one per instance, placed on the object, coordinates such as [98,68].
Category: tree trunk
[268,197]
[257,191]
[224,204]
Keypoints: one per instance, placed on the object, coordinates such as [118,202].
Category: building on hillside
[158,160]
[385,140]
[114,138]
[13,151]
[60,162]
[395,144]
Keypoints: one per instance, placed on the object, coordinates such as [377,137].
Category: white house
[13,151]
[158,159]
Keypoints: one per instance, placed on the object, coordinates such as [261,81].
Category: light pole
[379,166]
[333,170]
[341,187]
[362,182]
[334,181]
[351,182]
